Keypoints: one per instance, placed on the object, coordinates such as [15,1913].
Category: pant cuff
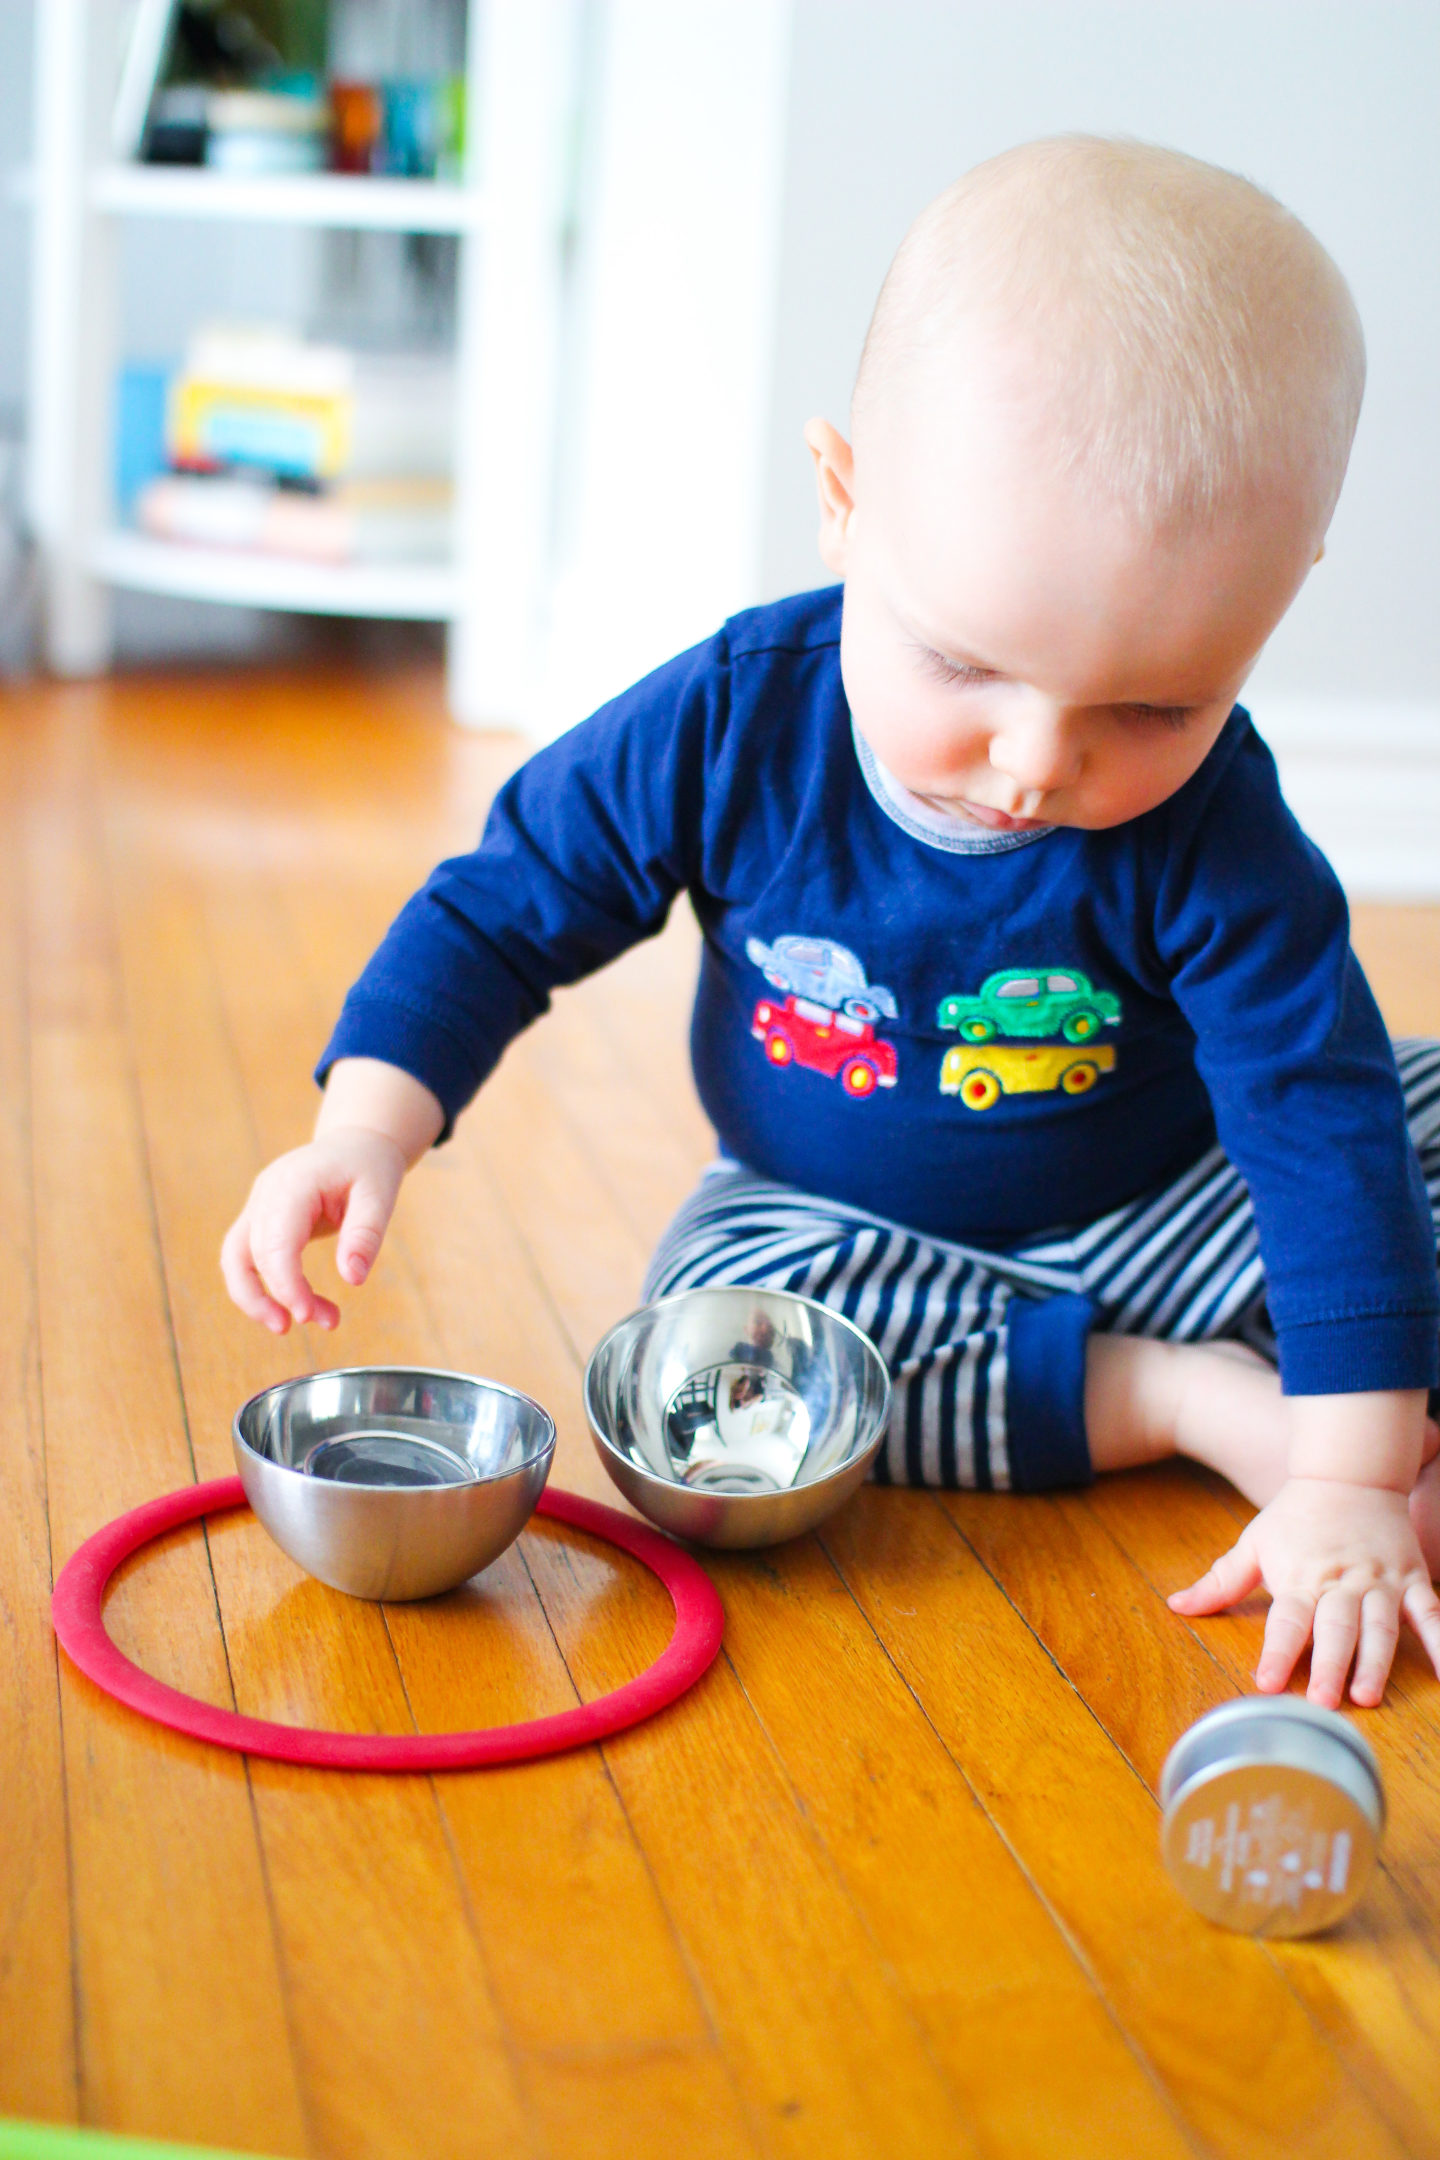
[1045,1391]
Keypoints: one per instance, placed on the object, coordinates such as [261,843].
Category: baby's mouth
[995,820]
[966,812]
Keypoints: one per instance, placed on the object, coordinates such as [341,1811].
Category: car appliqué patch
[1029,1003]
[825,1020]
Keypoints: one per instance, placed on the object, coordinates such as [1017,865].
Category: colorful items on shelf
[357,114]
[283,128]
[262,398]
[292,448]
[409,129]
[358,521]
[243,87]
[142,388]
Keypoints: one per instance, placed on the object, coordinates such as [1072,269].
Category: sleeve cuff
[415,1041]
[1045,1391]
[1349,1357]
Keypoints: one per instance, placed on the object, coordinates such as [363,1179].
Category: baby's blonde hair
[1195,340]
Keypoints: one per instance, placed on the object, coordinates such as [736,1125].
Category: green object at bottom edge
[59,2141]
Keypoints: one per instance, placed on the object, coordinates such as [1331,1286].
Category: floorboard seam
[137,1091]
[1275,1964]
[77,1992]
[884,1963]
[1077,1951]
[682,1947]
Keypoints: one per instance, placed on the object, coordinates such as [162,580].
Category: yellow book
[301,434]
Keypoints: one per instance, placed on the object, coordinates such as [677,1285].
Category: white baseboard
[1364,781]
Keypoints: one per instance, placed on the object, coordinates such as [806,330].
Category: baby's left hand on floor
[1342,1564]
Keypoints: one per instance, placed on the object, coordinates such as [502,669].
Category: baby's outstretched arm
[375,1122]
[1336,1548]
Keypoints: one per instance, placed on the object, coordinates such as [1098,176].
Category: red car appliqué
[797,1032]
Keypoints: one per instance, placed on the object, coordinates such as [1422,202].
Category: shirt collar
[932,826]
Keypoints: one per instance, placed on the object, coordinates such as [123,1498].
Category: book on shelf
[266,442]
[268,130]
[261,397]
[356,521]
[264,398]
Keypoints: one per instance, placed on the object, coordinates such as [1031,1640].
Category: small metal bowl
[390,1481]
[1273,1815]
[736,1417]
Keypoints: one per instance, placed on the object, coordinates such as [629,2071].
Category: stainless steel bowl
[1273,1815]
[736,1417]
[390,1481]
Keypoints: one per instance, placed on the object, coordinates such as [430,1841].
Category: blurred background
[402,322]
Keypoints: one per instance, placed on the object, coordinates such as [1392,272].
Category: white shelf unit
[506,211]
[418,592]
[191,191]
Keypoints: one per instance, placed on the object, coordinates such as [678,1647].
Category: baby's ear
[835,485]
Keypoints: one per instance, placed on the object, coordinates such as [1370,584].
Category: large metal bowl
[392,1481]
[736,1417]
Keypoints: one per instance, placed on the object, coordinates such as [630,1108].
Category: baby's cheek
[1133,778]
[919,738]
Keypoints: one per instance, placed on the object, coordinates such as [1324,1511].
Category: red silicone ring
[77,1609]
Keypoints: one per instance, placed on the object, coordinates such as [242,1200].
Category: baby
[1027,1018]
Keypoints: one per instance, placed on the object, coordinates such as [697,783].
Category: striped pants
[987,1350]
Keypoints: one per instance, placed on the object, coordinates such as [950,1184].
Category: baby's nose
[1038,751]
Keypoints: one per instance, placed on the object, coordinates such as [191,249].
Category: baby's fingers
[1421,1607]
[1287,1630]
[1337,1627]
[367,1217]
[242,1280]
[277,1240]
[1379,1633]
[1233,1576]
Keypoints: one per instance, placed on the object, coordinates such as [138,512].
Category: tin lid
[1273,1728]
[1273,1813]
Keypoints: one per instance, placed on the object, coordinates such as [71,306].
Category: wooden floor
[886,1884]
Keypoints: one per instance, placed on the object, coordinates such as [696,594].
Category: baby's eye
[1166,716]
[953,671]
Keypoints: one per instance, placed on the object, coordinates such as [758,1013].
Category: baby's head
[1100,425]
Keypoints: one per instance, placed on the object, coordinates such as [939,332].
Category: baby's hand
[345,1180]
[1341,1563]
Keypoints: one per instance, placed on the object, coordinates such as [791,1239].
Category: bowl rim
[736,1500]
[543,1454]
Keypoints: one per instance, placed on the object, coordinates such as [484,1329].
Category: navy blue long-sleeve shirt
[981,1040]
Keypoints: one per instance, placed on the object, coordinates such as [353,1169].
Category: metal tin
[1273,1811]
